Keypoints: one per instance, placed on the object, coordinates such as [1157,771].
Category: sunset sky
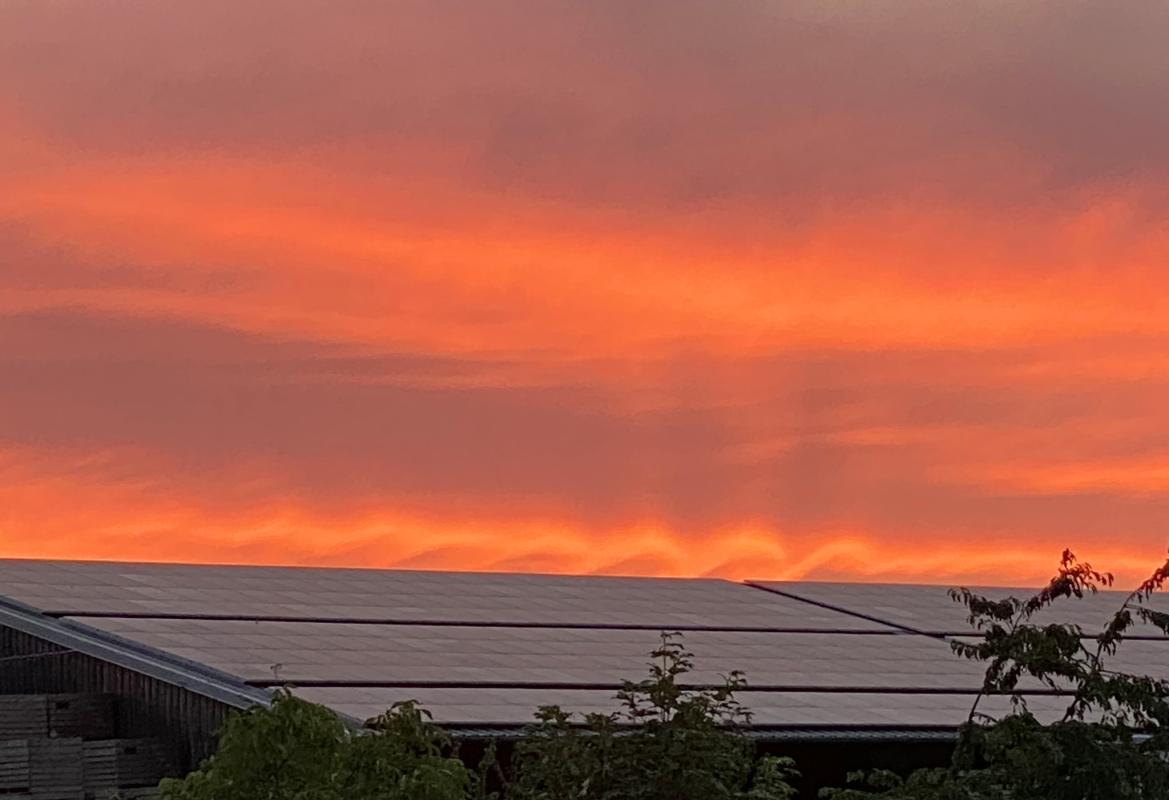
[850,289]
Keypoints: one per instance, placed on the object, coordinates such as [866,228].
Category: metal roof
[928,609]
[311,651]
[784,709]
[483,651]
[70,588]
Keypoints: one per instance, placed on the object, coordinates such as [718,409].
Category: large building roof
[483,651]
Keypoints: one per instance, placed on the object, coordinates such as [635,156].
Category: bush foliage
[665,743]
[1110,742]
[296,750]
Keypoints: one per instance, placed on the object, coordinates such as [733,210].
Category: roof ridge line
[337,568]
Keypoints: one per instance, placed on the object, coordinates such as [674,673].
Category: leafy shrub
[297,750]
[665,743]
[1112,739]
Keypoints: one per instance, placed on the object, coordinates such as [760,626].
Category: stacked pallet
[144,793]
[14,767]
[57,769]
[124,763]
[42,769]
[71,769]
[23,716]
[88,716]
[62,747]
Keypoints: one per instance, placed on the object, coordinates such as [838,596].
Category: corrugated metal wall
[146,707]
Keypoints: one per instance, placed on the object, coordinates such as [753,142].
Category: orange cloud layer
[134,526]
[128,518]
[763,290]
[256,249]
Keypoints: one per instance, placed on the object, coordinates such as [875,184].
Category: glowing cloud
[748,289]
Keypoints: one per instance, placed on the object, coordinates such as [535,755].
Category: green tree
[296,750]
[665,743]
[1112,739]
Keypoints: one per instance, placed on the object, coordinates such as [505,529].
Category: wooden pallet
[51,769]
[57,769]
[88,716]
[15,767]
[23,716]
[125,763]
[139,793]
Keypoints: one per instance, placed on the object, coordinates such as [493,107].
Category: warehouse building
[135,666]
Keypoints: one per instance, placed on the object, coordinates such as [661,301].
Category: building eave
[78,637]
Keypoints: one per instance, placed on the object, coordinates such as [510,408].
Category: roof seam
[841,610]
[453,623]
[616,686]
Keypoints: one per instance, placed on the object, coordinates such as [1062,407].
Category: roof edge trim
[189,675]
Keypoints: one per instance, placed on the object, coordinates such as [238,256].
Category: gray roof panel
[516,706]
[300,592]
[929,608]
[384,653]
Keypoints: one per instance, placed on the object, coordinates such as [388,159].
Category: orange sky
[753,289]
